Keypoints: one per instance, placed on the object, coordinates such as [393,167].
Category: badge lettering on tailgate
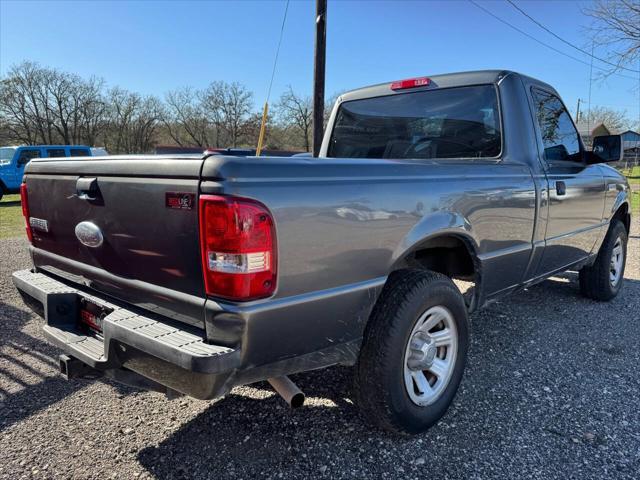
[179,200]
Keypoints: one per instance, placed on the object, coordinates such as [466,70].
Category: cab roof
[447,80]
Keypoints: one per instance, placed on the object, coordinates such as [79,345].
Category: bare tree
[229,107]
[132,122]
[42,105]
[296,113]
[185,118]
[24,104]
[616,26]
[614,120]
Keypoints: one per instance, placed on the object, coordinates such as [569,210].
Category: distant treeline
[41,105]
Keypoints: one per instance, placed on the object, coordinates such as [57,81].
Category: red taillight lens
[238,245]
[411,83]
[24,201]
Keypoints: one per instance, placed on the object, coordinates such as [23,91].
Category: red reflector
[410,83]
[24,201]
[238,245]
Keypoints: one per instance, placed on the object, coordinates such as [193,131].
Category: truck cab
[14,159]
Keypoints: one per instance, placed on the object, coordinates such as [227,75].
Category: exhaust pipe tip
[297,400]
[288,390]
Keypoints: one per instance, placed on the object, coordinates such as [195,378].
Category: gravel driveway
[551,390]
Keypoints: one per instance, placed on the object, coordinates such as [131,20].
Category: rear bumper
[164,352]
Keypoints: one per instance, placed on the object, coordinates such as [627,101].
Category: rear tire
[602,280]
[1,192]
[418,332]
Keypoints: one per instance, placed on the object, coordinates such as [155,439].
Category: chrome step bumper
[156,349]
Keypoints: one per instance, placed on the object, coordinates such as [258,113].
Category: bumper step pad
[162,340]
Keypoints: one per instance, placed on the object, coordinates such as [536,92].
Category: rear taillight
[24,201]
[238,245]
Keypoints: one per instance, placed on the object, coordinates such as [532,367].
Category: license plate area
[91,316]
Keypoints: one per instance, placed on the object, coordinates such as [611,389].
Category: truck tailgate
[146,210]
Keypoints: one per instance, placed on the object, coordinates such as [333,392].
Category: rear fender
[440,224]
[431,226]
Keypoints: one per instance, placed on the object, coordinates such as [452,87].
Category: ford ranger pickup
[193,274]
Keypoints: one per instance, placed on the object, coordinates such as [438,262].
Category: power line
[567,42]
[540,41]
[275,60]
[265,110]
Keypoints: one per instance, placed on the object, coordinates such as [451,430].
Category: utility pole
[578,112]
[318,74]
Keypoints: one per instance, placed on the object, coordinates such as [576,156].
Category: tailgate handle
[87,188]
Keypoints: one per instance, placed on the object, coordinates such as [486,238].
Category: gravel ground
[550,391]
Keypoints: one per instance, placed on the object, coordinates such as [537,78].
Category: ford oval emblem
[89,234]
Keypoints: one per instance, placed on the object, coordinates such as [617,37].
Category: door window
[79,152]
[56,152]
[559,135]
[6,155]
[27,155]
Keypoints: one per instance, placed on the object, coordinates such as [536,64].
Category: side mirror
[608,148]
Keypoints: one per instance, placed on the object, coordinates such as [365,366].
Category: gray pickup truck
[194,274]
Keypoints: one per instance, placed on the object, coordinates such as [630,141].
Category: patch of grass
[635,172]
[633,177]
[635,196]
[11,221]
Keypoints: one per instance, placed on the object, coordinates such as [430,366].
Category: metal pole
[318,74]
[589,111]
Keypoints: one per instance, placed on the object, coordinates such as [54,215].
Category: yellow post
[263,126]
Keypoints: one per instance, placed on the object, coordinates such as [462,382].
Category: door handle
[561,188]
[87,188]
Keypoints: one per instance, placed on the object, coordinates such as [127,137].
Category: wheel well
[622,214]
[448,254]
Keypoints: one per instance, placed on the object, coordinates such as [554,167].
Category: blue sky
[155,46]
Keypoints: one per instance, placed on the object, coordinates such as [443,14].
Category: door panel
[575,216]
[575,190]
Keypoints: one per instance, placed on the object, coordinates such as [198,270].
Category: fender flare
[441,224]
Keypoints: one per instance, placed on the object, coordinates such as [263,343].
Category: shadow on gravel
[240,436]
[24,351]
[38,359]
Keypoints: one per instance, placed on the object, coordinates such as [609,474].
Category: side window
[56,152]
[79,152]
[559,136]
[26,156]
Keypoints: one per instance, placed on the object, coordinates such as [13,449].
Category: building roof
[592,129]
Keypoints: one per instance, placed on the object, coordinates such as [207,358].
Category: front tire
[602,280]
[414,352]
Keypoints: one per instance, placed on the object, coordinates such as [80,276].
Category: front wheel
[603,280]
[414,352]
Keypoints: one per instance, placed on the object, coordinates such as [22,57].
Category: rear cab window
[79,152]
[460,122]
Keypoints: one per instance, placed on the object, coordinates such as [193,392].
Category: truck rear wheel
[602,280]
[414,352]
